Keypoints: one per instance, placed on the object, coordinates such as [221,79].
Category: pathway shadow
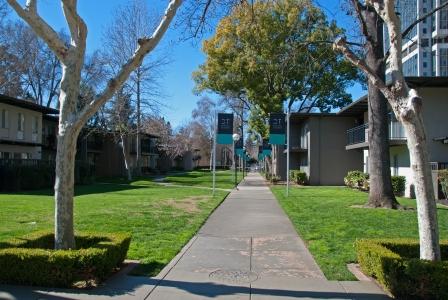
[80,190]
[130,288]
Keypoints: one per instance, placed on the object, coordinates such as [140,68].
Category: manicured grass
[161,219]
[324,218]
[224,179]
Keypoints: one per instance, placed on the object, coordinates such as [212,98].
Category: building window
[34,127]
[5,118]
[35,124]
[408,13]
[20,126]
[443,62]
[20,122]
[410,67]
[443,18]
[434,63]
[395,171]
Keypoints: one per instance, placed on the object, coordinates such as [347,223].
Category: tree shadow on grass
[80,190]
[147,269]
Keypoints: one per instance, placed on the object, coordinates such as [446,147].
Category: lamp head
[235,137]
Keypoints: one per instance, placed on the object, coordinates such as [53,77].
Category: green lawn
[324,218]
[224,179]
[161,219]
[198,178]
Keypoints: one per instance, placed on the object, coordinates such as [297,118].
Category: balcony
[358,137]
[146,147]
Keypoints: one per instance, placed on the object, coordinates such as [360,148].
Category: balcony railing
[357,135]
[360,134]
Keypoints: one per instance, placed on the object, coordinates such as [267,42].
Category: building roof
[300,116]
[27,104]
[355,108]
[360,106]
[438,82]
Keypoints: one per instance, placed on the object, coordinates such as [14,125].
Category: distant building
[21,128]
[425,48]
[29,131]
[318,148]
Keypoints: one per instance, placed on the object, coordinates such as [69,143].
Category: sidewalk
[248,249]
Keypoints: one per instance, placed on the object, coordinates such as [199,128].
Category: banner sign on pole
[277,129]
[225,128]
[266,148]
[239,150]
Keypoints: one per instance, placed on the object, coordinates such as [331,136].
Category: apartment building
[425,48]
[434,92]
[21,128]
[318,148]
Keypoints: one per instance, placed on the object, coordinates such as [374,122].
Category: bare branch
[78,29]
[42,29]
[341,45]
[146,45]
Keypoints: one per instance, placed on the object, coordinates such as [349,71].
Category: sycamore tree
[271,52]
[406,104]
[72,115]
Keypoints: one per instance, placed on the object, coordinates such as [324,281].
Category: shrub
[398,185]
[357,180]
[298,177]
[31,260]
[443,180]
[396,265]
[274,178]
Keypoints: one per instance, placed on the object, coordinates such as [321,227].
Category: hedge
[32,260]
[396,265]
[298,177]
[32,174]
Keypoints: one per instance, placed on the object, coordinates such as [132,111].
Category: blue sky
[177,84]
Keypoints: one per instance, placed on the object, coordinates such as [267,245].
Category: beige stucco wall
[10,133]
[435,117]
[329,162]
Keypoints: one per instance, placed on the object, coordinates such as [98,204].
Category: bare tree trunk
[64,189]
[211,156]
[137,143]
[381,193]
[126,156]
[426,204]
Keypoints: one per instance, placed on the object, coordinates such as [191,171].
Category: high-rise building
[425,48]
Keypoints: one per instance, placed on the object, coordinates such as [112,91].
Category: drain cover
[234,276]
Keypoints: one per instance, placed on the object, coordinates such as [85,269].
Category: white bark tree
[407,107]
[71,116]
[204,113]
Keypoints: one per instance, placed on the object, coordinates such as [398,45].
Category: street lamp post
[235,138]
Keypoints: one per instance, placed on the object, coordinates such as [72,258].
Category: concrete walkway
[248,249]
